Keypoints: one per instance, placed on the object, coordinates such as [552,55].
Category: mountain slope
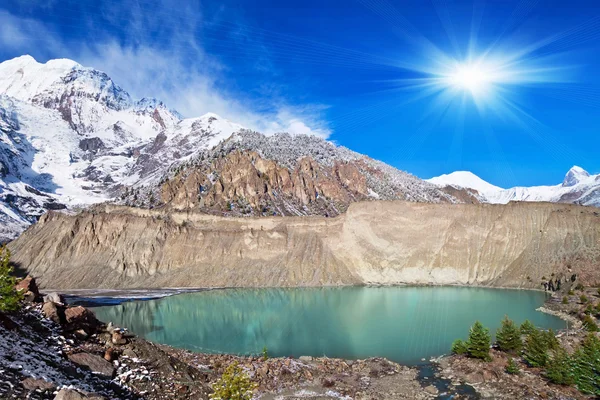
[71,137]
[253,174]
[578,187]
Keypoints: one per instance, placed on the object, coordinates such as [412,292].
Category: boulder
[53,311]
[29,288]
[70,394]
[37,384]
[94,363]
[305,358]
[54,297]
[81,318]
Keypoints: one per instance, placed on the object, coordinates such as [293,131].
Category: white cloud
[183,76]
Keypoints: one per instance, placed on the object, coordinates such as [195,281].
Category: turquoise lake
[404,324]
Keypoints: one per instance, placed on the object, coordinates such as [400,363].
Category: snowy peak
[575,176]
[465,179]
[578,187]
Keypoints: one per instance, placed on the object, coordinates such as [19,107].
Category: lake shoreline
[285,377]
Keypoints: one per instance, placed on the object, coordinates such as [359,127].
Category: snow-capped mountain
[465,179]
[70,137]
[578,187]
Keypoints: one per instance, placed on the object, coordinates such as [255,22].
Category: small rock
[53,297]
[94,363]
[305,358]
[53,311]
[431,390]
[118,338]
[111,354]
[35,384]
[28,285]
[81,334]
[70,394]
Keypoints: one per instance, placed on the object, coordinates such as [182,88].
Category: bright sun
[471,77]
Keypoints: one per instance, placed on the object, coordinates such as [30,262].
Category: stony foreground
[50,350]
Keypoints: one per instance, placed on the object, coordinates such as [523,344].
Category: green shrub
[560,368]
[579,286]
[512,367]
[586,366]
[589,310]
[536,350]
[234,384]
[565,300]
[527,327]
[265,353]
[508,336]
[583,299]
[571,292]
[599,291]
[9,297]
[478,345]
[590,324]
[459,347]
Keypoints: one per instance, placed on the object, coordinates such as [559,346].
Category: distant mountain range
[578,187]
[70,137]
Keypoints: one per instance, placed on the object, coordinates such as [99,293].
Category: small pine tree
[536,350]
[508,337]
[598,291]
[583,299]
[9,296]
[560,368]
[565,300]
[586,366]
[590,324]
[234,384]
[459,347]
[550,340]
[527,327]
[265,353]
[512,367]
[571,292]
[479,341]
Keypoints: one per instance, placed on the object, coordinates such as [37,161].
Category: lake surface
[404,324]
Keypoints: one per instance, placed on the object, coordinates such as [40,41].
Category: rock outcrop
[373,243]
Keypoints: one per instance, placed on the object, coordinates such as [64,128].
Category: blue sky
[371,75]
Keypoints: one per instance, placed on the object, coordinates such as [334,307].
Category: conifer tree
[586,365]
[550,339]
[560,368]
[479,341]
[9,297]
[512,367]
[535,352]
[508,337]
[458,347]
[527,327]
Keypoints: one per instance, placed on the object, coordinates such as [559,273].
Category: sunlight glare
[471,77]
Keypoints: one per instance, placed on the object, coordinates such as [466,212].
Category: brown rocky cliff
[381,242]
[253,185]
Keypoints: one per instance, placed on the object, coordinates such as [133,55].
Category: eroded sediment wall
[374,242]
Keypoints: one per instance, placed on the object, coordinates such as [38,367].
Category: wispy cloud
[176,70]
